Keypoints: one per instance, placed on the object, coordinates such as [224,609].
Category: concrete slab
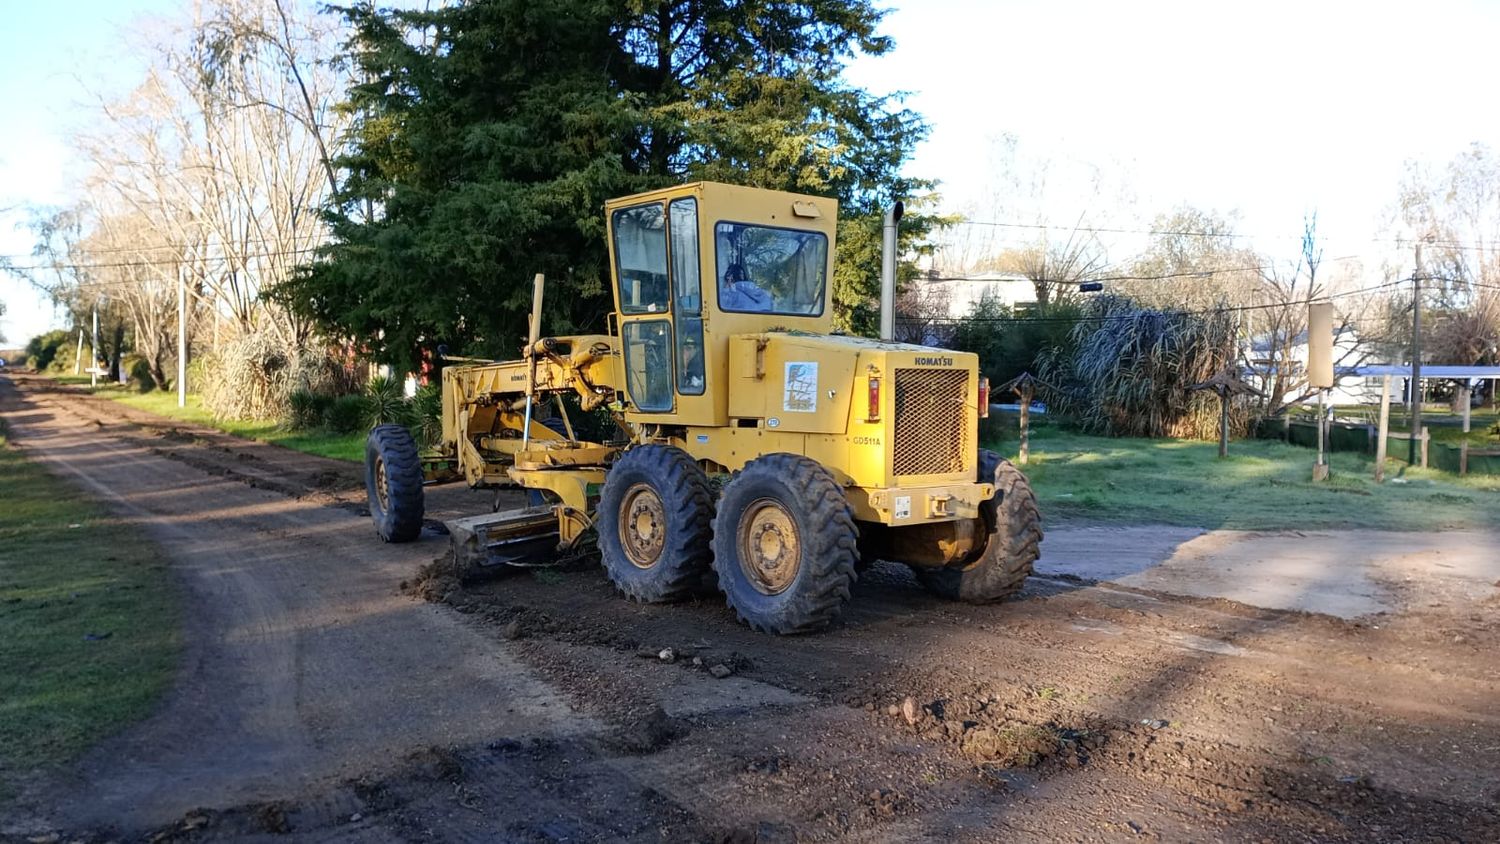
[1342,573]
[696,693]
[1110,553]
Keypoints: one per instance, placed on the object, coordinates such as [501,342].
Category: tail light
[874,399]
[984,397]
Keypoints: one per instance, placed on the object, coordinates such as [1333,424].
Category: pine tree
[489,134]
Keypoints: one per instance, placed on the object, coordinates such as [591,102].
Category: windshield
[769,270]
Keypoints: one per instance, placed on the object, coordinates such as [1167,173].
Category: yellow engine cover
[797,384]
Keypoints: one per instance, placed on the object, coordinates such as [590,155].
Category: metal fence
[1464,459]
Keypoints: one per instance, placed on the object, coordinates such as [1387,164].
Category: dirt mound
[438,582]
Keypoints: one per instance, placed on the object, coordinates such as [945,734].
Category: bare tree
[1192,260]
[1458,208]
[1057,263]
[224,147]
[209,176]
[1276,325]
[1012,228]
[921,312]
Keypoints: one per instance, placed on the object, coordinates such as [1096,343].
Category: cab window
[762,269]
[648,363]
[687,295]
[641,258]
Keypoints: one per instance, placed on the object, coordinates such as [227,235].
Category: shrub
[996,428]
[44,348]
[140,375]
[1128,369]
[427,415]
[345,414]
[385,402]
[254,375]
[1010,341]
[306,409]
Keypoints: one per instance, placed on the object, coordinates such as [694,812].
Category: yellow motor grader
[754,441]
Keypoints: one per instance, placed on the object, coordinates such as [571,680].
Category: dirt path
[304,664]
[320,702]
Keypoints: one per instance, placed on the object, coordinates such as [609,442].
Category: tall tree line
[487,135]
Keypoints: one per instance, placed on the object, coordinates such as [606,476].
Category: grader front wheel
[393,483]
[785,545]
[1011,529]
[655,517]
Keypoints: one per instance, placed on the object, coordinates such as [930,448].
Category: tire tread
[831,550]
[393,444]
[688,507]
[997,571]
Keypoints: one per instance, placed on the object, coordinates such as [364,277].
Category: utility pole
[1385,425]
[181,338]
[94,352]
[1416,358]
[78,357]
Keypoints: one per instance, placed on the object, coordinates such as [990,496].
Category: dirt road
[320,700]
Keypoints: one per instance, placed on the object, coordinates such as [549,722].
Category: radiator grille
[931,422]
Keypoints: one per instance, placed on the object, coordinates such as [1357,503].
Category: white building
[1350,387]
[964,292]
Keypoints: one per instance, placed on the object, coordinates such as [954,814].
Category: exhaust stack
[888,273]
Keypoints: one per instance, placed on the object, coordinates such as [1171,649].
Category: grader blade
[524,538]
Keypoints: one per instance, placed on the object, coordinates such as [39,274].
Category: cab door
[658,269]
[644,292]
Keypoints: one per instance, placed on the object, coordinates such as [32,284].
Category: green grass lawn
[1262,485]
[322,443]
[68,571]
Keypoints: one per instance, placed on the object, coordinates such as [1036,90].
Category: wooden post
[1223,422]
[1320,468]
[181,337]
[1424,446]
[1463,458]
[1385,425]
[1467,398]
[1023,455]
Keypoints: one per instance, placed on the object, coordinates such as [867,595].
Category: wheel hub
[643,526]
[770,548]
[382,485]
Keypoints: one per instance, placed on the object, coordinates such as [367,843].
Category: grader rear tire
[393,483]
[655,524]
[785,545]
[1012,526]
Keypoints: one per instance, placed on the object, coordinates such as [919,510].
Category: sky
[1275,109]
[1270,109]
[52,54]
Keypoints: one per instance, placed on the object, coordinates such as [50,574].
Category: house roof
[1404,371]
[983,278]
[1264,342]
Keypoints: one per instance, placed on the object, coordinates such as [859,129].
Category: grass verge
[322,443]
[89,635]
[1262,485]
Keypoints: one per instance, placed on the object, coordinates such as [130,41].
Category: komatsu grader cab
[754,441]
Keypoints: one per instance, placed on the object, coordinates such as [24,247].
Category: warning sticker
[801,383]
[903,506]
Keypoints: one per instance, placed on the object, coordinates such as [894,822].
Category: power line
[178,247]
[1394,241]
[1098,229]
[136,264]
[1164,277]
[1118,317]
